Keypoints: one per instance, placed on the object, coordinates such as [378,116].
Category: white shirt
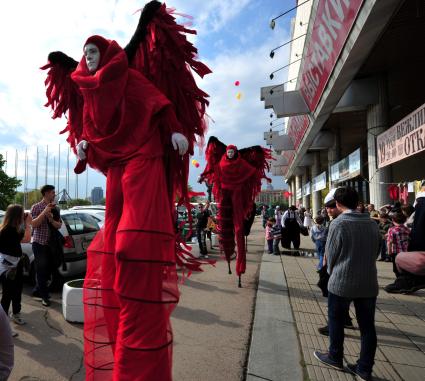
[291,214]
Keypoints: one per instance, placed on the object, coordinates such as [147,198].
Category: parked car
[78,229]
[96,211]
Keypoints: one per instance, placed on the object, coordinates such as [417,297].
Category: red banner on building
[332,24]
[402,140]
[297,126]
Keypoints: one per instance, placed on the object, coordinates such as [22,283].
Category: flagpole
[36,170]
[59,164]
[47,164]
[16,171]
[25,176]
[54,171]
[76,181]
[67,172]
[87,183]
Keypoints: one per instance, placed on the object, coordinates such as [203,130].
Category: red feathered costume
[130,288]
[236,181]
[132,282]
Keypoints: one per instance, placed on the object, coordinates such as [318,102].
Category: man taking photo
[43,215]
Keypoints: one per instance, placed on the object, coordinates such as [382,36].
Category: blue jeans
[276,250]
[201,236]
[42,268]
[270,245]
[320,248]
[384,249]
[365,314]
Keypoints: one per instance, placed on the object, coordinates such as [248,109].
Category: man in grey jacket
[351,250]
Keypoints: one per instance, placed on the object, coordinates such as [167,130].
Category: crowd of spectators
[350,237]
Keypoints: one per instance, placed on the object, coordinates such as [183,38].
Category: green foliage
[283,203]
[78,202]
[33,197]
[8,186]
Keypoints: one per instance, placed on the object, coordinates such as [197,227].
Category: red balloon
[287,194]
[237,83]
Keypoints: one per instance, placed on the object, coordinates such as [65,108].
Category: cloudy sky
[234,40]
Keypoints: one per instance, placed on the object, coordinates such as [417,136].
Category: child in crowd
[277,235]
[397,238]
[384,225]
[318,235]
[269,235]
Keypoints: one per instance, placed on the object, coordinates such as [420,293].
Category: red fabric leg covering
[131,283]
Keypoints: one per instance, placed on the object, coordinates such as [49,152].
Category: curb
[274,354]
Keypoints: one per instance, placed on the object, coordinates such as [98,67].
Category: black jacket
[417,236]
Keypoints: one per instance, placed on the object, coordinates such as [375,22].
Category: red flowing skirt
[230,227]
[131,288]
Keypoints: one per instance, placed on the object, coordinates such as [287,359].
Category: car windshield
[80,223]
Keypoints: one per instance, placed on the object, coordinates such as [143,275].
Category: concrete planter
[72,301]
[214,239]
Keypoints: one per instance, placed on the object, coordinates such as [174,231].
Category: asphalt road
[211,328]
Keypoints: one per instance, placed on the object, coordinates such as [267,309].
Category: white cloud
[32,29]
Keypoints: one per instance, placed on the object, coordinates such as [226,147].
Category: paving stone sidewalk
[400,324]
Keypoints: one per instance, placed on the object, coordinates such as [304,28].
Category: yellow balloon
[238,96]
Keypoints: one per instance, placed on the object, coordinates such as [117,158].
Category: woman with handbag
[16,228]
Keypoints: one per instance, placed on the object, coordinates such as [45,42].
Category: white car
[96,211]
[78,229]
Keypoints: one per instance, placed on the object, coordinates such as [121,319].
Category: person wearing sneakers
[352,248]
[16,228]
[42,215]
[332,212]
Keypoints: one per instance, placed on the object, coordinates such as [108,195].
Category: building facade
[96,195]
[356,113]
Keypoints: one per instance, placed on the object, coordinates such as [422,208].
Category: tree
[33,197]
[78,202]
[8,186]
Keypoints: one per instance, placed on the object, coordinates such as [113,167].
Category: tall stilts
[230,270]
[240,283]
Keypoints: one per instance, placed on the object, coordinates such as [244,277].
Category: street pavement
[211,326]
[213,321]
[400,324]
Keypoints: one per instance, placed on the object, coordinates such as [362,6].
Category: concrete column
[333,155]
[377,122]
[290,190]
[306,179]
[315,196]
[298,182]
[294,192]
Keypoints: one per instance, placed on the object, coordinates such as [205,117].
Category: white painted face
[92,54]
[230,153]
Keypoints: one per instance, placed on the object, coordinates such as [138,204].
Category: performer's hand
[81,148]
[179,142]
[200,179]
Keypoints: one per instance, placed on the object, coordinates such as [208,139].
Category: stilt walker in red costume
[236,177]
[133,114]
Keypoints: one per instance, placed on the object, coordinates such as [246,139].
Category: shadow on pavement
[201,317]
[42,341]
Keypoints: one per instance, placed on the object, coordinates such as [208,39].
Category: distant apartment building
[96,195]
[269,196]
